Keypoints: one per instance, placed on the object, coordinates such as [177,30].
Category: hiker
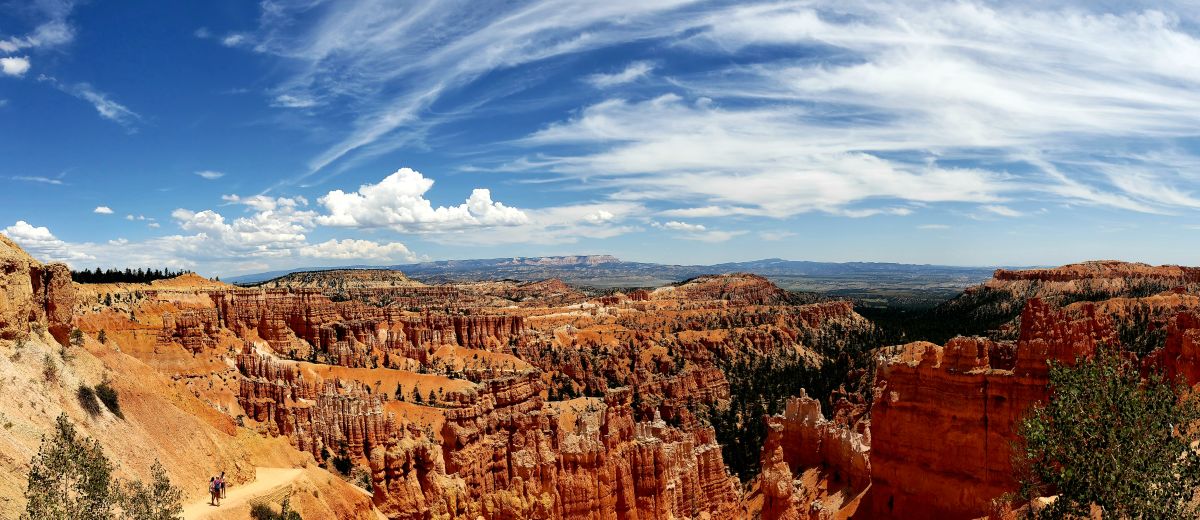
[222,479]
[214,490]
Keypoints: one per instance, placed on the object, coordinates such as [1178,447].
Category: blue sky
[234,137]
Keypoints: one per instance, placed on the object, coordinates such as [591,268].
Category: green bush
[157,501]
[108,396]
[261,511]
[49,369]
[87,400]
[1109,438]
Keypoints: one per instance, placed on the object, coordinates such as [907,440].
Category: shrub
[157,501]
[261,511]
[343,464]
[77,337]
[49,369]
[1111,439]
[102,337]
[87,400]
[108,396]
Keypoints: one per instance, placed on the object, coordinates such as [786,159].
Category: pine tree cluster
[124,276]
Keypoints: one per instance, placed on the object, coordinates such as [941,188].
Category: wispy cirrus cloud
[395,60]
[689,231]
[56,181]
[632,72]
[105,106]
[1036,100]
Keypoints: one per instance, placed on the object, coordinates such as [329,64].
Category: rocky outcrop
[737,288]
[1101,269]
[944,417]
[33,293]
[800,440]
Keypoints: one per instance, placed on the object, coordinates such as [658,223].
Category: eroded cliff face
[500,452]
[33,293]
[944,417]
[813,468]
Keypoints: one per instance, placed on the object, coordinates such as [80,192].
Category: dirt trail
[266,480]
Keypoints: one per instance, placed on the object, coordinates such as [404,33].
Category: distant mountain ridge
[862,280]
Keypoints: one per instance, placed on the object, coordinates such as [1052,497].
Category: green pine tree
[69,478]
[157,501]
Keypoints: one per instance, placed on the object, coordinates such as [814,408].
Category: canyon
[503,399]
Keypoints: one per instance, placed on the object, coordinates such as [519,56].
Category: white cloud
[397,59]
[775,236]
[210,174]
[601,216]
[39,242]
[274,228]
[103,210]
[565,224]
[14,66]
[38,178]
[398,202]
[933,226]
[233,40]
[680,226]
[351,249]
[765,161]
[890,86]
[105,107]
[293,101]
[634,72]
[1003,211]
[699,232]
[53,32]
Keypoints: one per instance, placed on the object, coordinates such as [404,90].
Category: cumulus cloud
[398,202]
[209,174]
[565,224]
[103,210]
[39,242]
[351,249]
[14,66]
[680,226]
[274,228]
[634,72]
